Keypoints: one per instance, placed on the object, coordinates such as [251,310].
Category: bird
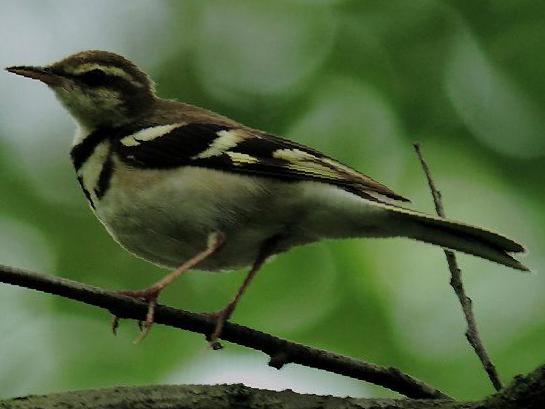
[186,188]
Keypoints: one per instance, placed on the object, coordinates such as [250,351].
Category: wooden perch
[280,351]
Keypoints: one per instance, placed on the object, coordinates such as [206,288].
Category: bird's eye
[94,77]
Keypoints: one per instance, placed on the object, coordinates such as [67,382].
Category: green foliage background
[360,80]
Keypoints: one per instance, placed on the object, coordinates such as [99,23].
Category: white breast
[165,216]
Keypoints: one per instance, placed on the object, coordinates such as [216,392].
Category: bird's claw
[150,296]
[221,317]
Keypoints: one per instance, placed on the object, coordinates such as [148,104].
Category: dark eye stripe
[94,77]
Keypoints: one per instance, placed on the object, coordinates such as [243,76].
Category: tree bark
[526,392]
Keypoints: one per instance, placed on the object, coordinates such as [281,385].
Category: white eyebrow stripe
[226,140]
[149,134]
[108,69]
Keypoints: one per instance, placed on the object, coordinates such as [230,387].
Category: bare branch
[280,351]
[472,333]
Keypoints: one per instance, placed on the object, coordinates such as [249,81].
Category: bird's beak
[43,74]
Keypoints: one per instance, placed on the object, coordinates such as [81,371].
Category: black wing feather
[182,145]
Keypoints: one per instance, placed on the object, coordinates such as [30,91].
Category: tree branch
[472,333]
[280,351]
[525,393]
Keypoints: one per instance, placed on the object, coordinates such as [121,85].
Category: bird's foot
[221,317]
[149,295]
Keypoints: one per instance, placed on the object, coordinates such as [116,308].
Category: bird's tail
[457,236]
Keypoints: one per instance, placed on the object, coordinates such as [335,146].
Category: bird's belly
[166,216]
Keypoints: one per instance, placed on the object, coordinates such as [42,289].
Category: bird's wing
[242,150]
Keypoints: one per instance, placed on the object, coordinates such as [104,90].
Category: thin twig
[280,351]
[472,333]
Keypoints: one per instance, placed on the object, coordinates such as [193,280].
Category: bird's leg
[151,294]
[223,315]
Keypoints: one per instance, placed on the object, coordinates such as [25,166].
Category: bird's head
[98,88]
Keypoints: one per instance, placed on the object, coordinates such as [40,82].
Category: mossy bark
[526,392]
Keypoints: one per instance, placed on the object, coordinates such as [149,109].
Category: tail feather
[458,236]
